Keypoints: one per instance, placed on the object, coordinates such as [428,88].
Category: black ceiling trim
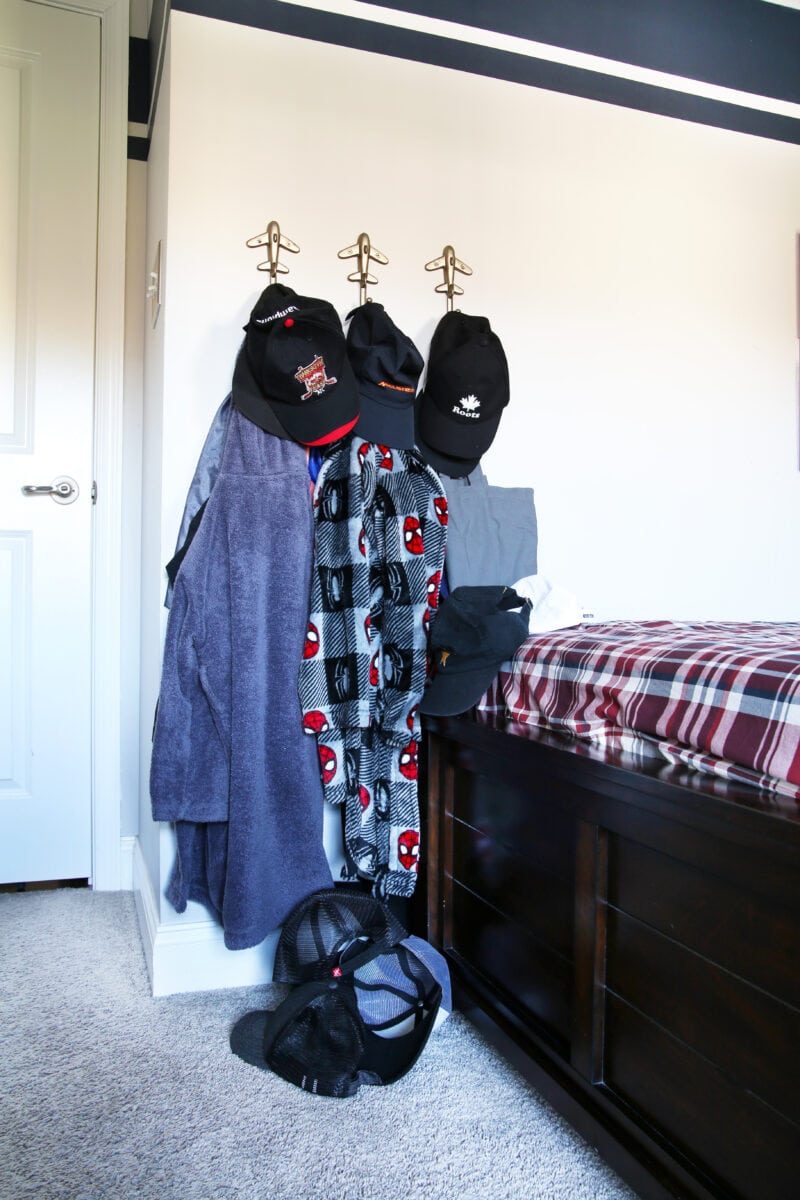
[315,25]
[743,44]
[138,80]
[138,148]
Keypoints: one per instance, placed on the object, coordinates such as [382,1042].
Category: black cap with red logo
[292,375]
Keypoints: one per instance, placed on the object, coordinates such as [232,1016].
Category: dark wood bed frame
[630,938]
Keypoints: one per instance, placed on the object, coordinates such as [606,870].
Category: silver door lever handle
[63,490]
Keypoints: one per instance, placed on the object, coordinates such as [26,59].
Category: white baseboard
[191,956]
[126,850]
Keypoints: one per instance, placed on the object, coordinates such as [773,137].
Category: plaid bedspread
[721,697]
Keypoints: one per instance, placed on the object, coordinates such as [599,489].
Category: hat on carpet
[475,630]
[292,376]
[333,930]
[387,368]
[466,389]
[364,1011]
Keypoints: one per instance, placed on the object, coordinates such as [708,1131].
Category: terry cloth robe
[380,531]
[200,489]
[230,764]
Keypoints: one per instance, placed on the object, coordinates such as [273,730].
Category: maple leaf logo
[470,403]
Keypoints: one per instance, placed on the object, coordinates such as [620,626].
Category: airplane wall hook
[363,251]
[449,265]
[274,240]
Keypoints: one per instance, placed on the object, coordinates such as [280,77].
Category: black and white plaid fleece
[380,531]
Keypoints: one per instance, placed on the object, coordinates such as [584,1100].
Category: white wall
[641,272]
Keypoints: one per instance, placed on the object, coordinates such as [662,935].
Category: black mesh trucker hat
[319,1039]
[331,932]
[292,375]
[367,1004]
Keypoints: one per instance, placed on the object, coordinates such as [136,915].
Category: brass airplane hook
[449,264]
[274,240]
[363,250]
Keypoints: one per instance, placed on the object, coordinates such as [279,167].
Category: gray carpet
[109,1094]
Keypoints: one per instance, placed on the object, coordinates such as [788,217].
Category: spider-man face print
[387,461]
[408,849]
[327,762]
[312,641]
[407,760]
[440,508]
[315,722]
[434,584]
[363,797]
[412,535]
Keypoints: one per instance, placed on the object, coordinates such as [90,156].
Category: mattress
[720,697]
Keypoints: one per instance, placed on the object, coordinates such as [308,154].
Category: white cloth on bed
[553,606]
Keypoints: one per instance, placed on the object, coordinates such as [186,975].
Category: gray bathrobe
[231,765]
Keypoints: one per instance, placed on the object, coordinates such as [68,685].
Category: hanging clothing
[380,531]
[205,476]
[230,764]
[492,536]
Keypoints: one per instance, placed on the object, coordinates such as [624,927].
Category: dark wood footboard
[631,938]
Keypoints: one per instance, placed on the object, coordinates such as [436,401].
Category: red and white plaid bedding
[722,697]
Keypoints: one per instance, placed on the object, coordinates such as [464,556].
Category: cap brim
[461,441]
[248,398]
[247,1038]
[389,1058]
[443,464]
[315,423]
[449,695]
[386,424]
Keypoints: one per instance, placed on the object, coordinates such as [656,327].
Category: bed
[614,875]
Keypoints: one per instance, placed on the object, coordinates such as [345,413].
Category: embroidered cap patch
[314,377]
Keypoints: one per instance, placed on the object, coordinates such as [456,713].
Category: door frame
[106,588]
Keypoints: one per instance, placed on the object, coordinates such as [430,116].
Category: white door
[49,139]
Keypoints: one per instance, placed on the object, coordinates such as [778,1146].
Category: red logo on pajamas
[407,760]
[408,849]
[315,722]
[412,535]
[327,761]
[312,641]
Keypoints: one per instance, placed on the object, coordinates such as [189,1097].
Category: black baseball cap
[475,630]
[466,389]
[387,367]
[292,376]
